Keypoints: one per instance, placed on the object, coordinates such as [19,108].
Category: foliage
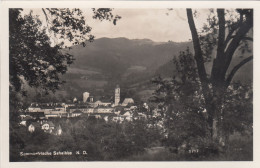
[31,56]
[105,14]
[214,40]
[35,55]
[182,102]
[36,60]
[111,141]
[184,112]
[238,109]
[101,140]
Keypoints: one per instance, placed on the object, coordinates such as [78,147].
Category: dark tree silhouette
[215,85]
[37,59]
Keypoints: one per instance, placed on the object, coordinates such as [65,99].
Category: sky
[154,24]
[159,25]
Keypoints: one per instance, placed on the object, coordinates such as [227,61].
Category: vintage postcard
[125,83]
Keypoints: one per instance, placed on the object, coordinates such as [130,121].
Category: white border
[4,115]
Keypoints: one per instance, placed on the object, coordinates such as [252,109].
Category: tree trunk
[226,48]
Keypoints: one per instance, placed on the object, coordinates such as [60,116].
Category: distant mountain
[116,56]
[100,65]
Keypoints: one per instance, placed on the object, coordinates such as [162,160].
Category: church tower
[117,95]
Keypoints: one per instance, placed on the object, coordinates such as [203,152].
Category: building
[104,109]
[24,120]
[55,113]
[128,116]
[89,110]
[85,97]
[117,95]
[118,119]
[39,115]
[91,99]
[48,126]
[49,115]
[127,101]
[33,126]
[34,107]
[76,113]
[58,130]
[100,103]
[130,108]
[75,100]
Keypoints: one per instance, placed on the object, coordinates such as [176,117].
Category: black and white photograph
[130,84]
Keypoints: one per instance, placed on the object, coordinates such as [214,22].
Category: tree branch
[244,38]
[248,38]
[216,73]
[201,68]
[234,27]
[221,34]
[229,36]
[236,68]
[243,30]
[197,49]
[46,16]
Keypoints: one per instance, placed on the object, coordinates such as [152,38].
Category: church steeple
[117,95]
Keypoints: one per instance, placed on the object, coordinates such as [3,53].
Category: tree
[36,47]
[184,118]
[181,98]
[214,86]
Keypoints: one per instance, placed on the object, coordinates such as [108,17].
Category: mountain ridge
[131,63]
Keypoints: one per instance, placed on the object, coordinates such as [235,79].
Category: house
[133,107]
[24,120]
[97,103]
[75,100]
[33,126]
[130,107]
[90,110]
[104,109]
[76,113]
[118,119]
[142,116]
[48,126]
[69,105]
[117,113]
[100,103]
[22,115]
[37,115]
[60,109]
[56,112]
[51,115]
[106,118]
[82,108]
[34,107]
[58,130]
[145,105]
[157,112]
[127,116]
[127,101]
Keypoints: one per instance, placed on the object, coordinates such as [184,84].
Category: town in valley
[40,115]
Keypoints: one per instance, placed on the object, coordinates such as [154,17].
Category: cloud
[137,23]
[154,24]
